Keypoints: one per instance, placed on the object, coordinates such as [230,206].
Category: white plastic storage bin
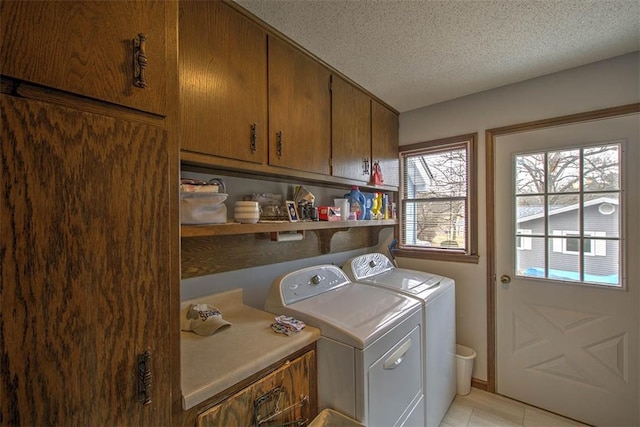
[464,366]
[329,417]
[203,208]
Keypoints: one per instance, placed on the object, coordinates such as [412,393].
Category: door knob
[505,279]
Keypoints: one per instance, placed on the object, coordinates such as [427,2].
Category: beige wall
[599,85]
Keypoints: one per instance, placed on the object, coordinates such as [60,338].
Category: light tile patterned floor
[482,409]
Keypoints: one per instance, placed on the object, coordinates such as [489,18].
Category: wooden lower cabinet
[286,395]
[84,262]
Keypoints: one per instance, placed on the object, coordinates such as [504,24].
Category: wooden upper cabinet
[299,110]
[87,48]
[351,131]
[223,82]
[384,142]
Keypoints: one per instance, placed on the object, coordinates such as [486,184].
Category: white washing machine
[438,298]
[370,352]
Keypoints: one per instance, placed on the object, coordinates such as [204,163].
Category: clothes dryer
[437,296]
[370,352]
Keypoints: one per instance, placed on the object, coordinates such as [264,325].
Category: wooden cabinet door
[384,142]
[351,131]
[85,238]
[299,110]
[294,380]
[223,79]
[87,47]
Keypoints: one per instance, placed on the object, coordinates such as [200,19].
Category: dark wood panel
[87,48]
[351,131]
[299,108]
[216,254]
[84,219]
[223,77]
[384,142]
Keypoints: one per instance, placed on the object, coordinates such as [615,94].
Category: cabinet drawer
[291,386]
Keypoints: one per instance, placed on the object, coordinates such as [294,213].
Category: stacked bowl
[246,212]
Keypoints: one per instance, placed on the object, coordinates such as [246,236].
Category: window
[438,207]
[569,200]
[571,243]
[523,243]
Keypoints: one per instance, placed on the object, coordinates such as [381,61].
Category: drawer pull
[271,402]
[140,61]
[145,378]
[254,138]
[279,144]
[397,357]
[365,166]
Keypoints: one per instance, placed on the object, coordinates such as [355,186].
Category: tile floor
[482,409]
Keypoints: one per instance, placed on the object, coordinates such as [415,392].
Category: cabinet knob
[140,61]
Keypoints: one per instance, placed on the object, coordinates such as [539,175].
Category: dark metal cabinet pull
[254,137]
[365,166]
[139,61]
[145,378]
[279,144]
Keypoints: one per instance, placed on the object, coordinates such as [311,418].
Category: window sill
[427,254]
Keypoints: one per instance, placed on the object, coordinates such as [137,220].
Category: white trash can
[464,367]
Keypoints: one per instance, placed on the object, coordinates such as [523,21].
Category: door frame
[490,139]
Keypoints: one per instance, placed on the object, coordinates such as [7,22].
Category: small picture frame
[292,211]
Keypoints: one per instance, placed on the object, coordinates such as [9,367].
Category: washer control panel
[308,282]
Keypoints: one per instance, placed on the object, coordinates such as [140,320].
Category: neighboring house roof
[530,213]
[423,177]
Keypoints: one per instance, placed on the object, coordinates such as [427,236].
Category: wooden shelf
[268,227]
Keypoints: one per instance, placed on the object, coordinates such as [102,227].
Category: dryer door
[395,381]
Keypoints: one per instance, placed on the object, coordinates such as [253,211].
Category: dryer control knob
[315,280]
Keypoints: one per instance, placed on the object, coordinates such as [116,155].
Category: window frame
[470,252]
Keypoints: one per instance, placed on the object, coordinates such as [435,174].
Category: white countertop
[211,364]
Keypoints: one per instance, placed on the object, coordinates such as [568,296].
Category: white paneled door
[567,215]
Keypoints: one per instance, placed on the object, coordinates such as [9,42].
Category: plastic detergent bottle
[377,206]
[357,202]
[385,206]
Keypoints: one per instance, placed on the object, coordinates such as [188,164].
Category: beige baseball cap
[202,319]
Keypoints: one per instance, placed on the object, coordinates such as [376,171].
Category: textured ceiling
[420,52]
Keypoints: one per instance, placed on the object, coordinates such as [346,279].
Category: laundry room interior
[320,213]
